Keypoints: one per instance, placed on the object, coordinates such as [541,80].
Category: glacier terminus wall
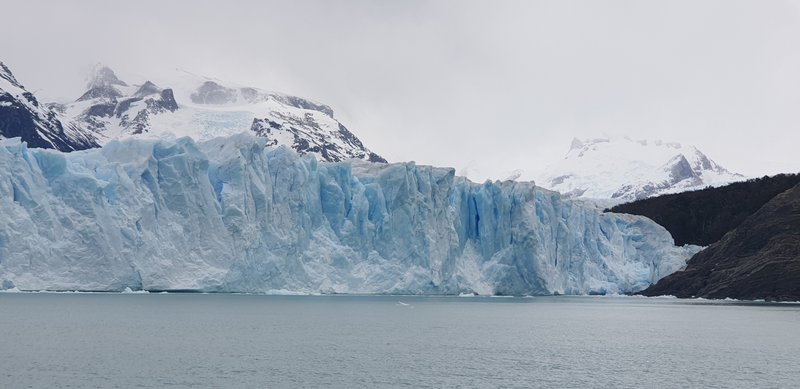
[231,215]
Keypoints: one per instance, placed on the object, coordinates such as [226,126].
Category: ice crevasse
[231,215]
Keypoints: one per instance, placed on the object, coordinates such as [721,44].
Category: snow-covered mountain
[22,115]
[232,215]
[184,104]
[623,169]
[173,106]
[115,109]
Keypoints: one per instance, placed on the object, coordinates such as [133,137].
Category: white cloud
[506,84]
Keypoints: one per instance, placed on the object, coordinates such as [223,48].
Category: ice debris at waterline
[231,215]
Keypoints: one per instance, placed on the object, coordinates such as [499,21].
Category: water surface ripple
[198,340]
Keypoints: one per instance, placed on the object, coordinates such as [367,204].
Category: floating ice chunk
[129,290]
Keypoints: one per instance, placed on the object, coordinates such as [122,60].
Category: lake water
[232,341]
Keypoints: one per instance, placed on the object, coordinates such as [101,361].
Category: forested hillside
[702,217]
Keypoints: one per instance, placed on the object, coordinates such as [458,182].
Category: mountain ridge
[610,171]
[203,108]
[22,115]
[625,169]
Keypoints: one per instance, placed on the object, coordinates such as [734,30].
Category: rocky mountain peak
[102,83]
[6,74]
[146,89]
[39,125]
[103,76]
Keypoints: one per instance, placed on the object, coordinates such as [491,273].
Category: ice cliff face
[233,215]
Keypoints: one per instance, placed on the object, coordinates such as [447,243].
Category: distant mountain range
[182,105]
[624,169]
[611,171]
[608,171]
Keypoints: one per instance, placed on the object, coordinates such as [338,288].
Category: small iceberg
[129,290]
[13,289]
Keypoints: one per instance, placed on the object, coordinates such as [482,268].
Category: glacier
[234,215]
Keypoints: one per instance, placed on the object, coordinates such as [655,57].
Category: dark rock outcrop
[39,125]
[759,259]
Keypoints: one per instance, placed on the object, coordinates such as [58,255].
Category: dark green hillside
[759,259]
[702,217]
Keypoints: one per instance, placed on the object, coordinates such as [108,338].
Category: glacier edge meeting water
[231,215]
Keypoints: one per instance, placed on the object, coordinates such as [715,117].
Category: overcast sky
[506,84]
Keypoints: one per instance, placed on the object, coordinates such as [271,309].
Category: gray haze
[504,85]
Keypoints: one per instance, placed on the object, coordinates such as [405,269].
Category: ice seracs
[232,214]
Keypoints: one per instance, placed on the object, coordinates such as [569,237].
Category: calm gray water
[231,341]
